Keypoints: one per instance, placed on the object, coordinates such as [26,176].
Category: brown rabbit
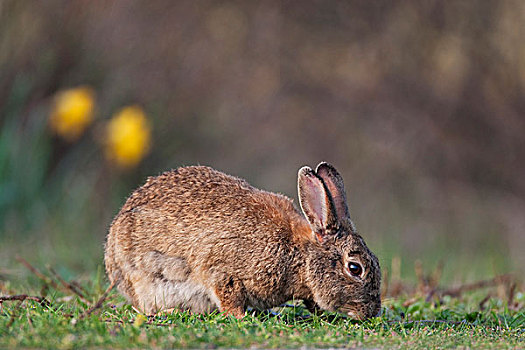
[195,238]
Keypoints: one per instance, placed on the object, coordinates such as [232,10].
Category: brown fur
[195,238]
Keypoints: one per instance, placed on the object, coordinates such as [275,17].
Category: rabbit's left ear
[316,203]
[334,183]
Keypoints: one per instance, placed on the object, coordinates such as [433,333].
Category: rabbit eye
[355,269]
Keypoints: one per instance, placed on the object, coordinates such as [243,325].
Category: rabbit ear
[334,183]
[316,203]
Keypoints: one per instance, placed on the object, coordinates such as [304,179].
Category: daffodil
[128,137]
[72,112]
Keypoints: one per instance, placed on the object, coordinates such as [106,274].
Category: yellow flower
[128,136]
[72,112]
[140,319]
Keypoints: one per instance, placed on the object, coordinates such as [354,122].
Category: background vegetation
[418,104]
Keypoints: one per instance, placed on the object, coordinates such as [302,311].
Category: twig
[457,291]
[69,286]
[435,277]
[149,323]
[482,302]
[426,321]
[37,273]
[421,281]
[99,302]
[410,301]
[430,294]
[22,297]
[79,287]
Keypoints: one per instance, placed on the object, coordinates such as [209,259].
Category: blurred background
[418,104]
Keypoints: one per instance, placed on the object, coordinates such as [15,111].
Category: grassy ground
[57,199]
[66,314]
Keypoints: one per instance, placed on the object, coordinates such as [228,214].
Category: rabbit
[197,239]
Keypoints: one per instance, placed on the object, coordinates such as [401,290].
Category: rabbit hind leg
[155,295]
[164,282]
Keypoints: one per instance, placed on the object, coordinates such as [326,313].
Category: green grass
[52,199]
[472,321]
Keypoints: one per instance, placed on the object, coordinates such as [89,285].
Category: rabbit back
[189,230]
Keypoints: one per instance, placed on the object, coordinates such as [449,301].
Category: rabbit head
[343,274]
